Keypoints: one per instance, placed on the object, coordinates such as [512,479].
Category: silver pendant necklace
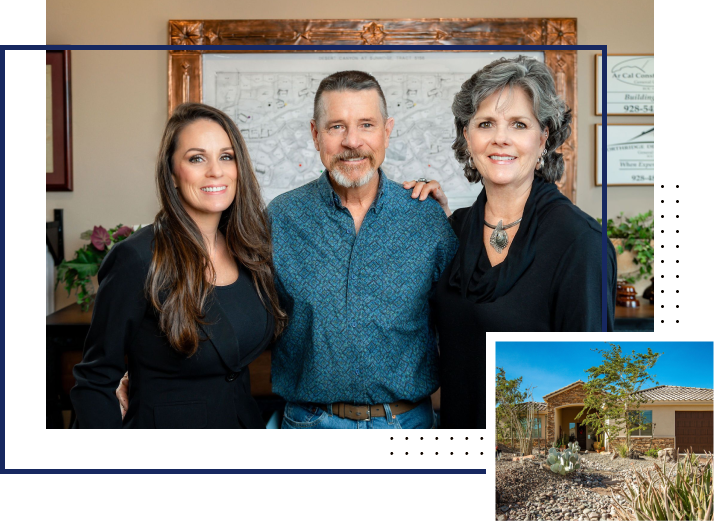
[499,239]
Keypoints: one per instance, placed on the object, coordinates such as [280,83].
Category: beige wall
[119,98]
[663,416]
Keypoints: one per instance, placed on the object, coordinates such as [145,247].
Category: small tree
[508,395]
[612,400]
[512,413]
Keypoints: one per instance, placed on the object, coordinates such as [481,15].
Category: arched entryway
[567,422]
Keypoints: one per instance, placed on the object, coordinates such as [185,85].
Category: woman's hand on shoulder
[122,394]
[421,190]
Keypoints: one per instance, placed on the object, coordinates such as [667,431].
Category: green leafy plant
[637,234]
[652,452]
[76,274]
[663,495]
[623,450]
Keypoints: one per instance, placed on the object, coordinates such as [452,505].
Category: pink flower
[123,231]
[100,238]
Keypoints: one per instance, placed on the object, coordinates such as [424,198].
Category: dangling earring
[470,162]
[541,159]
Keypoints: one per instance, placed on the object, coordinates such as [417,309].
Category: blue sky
[550,366]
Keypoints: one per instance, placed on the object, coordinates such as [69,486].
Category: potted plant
[76,274]
[633,238]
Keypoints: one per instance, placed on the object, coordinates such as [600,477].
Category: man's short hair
[348,80]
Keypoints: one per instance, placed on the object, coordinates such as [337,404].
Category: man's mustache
[353,154]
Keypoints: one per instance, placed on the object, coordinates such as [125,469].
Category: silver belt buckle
[368,413]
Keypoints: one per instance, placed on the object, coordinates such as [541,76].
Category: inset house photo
[604,431]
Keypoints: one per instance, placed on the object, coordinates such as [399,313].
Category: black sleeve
[118,311]
[577,286]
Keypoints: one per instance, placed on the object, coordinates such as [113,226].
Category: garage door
[694,431]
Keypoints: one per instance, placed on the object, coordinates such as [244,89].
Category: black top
[210,389]
[550,281]
[243,308]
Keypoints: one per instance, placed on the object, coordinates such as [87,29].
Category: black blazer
[210,389]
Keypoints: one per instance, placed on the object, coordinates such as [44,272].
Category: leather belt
[366,412]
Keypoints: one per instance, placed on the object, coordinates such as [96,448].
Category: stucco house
[679,416]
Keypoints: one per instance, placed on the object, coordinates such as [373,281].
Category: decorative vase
[626,295]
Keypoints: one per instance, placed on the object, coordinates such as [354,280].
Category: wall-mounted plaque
[630,85]
[630,155]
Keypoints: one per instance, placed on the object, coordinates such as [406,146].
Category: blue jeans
[303,415]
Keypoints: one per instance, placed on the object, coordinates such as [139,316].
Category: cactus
[563,462]
[574,447]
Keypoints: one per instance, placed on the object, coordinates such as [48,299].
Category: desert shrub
[661,496]
[652,452]
[623,450]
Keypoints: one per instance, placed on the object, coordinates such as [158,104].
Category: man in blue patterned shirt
[356,261]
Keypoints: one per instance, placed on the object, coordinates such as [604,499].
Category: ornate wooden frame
[61,178]
[185,67]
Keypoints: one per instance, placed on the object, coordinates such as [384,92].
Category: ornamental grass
[661,496]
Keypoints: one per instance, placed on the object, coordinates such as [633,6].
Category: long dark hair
[176,283]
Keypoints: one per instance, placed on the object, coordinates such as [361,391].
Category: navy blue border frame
[277,476]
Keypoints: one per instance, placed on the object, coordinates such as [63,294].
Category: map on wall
[270,98]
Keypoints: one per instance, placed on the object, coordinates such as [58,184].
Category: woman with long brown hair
[190,299]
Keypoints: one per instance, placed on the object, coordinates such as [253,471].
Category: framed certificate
[630,155]
[630,85]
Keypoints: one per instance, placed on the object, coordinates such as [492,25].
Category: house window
[572,429]
[642,417]
[535,429]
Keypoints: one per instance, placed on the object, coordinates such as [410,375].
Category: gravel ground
[528,492]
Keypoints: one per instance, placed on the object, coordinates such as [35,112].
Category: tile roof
[571,385]
[677,393]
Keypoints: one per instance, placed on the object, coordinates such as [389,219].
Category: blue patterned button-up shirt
[358,304]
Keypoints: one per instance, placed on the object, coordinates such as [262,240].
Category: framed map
[269,93]
[270,98]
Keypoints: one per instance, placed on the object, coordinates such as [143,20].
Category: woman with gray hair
[529,260]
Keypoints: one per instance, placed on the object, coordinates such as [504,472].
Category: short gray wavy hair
[536,79]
